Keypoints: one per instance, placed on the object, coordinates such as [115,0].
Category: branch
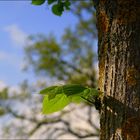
[91,76]
[71,66]
[15,114]
[54,120]
[44,122]
[70,130]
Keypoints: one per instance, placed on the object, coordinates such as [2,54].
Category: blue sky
[18,20]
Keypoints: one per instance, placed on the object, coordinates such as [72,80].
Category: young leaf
[73,89]
[90,94]
[57,97]
[84,96]
[48,90]
[94,92]
[52,91]
[38,2]
[76,99]
[55,104]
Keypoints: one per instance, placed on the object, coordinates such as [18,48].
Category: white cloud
[10,58]
[18,36]
[7,56]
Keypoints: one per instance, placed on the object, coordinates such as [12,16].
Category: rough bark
[118,23]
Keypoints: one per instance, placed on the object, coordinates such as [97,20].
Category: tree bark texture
[118,23]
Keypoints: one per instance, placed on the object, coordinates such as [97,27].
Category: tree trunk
[118,23]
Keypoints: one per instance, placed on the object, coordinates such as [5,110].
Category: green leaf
[51,96]
[48,90]
[51,1]
[86,94]
[57,9]
[52,91]
[90,94]
[57,97]
[38,2]
[55,104]
[76,99]
[94,92]
[73,89]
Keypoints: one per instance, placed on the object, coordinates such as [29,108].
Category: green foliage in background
[38,2]
[72,60]
[3,97]
[58,6]
[4,94]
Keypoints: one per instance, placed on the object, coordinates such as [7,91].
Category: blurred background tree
[71,60]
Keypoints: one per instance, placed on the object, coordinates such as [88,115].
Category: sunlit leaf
[76,98]
[48,90]
[73,89]
[52,91]
[57,97]
[94,92]
[55,104]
